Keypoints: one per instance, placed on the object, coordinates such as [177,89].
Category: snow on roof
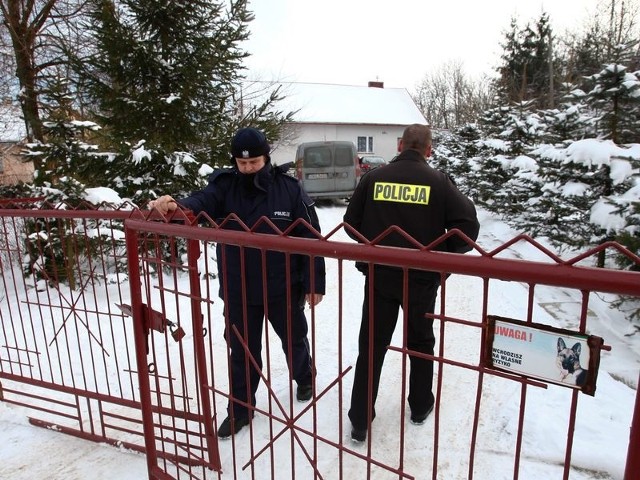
[348,104]
[313,102]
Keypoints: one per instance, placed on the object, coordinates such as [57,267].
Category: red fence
[112,331]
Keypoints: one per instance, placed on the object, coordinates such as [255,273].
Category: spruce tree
[164,79]
[630,236]
[525,73]
[574,179]
[163,71]
[503,170]
[571,120]
[615,96]
[66,160]
[455,153]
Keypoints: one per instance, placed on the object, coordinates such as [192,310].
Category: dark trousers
[243,375]
[387,299]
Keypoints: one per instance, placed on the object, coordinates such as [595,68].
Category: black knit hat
[248,143]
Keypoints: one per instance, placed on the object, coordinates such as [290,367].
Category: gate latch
[154,320]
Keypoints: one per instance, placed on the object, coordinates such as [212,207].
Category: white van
[328,169]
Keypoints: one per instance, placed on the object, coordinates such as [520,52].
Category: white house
[372,117]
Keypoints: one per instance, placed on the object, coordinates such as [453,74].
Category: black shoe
[304,393]
[358,435]
[420,419]
[226,430]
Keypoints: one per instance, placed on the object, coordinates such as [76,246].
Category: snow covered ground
[602,430]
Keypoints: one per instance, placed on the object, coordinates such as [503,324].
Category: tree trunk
[552,93]
[26,74]
[24,23]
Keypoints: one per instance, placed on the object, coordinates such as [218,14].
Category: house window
[365,144]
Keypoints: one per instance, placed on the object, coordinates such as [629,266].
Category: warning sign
[539,351]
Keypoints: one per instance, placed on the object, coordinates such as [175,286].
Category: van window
[317,157]
[344,156]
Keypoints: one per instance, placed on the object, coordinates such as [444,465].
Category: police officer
[425,203]
[253,189]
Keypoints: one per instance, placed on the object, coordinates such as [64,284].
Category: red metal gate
[145,367]
[66,353]
[172,367]
[294,436]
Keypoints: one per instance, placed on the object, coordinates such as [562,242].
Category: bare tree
[34,28]
[447,97]
[611,24]
[8,83]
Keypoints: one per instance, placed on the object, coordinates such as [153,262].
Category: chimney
[376,84]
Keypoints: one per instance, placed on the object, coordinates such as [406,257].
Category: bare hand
[164,204]
[313,298]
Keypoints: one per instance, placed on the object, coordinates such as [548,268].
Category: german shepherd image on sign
[568,362]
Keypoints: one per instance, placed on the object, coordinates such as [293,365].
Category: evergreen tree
[627,206]
[512,67]
[164,72]
[455,154]
[561,212]
[569,121]
[525,72]
[164,80]
[630,236]
[543,170]
[65,161]
[503,168]
[615,96]
[467,139]
[521,127]
[574,181]
[613,103]
[541,65]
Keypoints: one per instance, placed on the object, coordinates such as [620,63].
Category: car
[328,170]
[369,162]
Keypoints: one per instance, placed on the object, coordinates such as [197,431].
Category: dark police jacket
[419,199]
[276,196]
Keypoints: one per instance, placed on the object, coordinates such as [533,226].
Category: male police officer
[253,189]
[424,203]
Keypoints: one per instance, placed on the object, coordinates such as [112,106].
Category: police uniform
[425,203]
[273,194]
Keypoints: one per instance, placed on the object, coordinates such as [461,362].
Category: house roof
[348,104]
[312,102]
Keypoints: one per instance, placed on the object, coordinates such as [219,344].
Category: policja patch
[401,192]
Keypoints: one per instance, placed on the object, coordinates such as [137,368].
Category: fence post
[632,470]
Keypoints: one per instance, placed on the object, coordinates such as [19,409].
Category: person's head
[250,150]
[417,137]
